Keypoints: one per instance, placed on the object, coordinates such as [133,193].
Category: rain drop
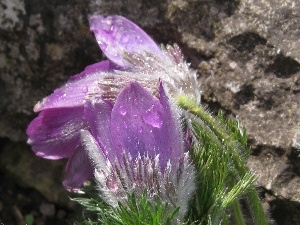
[112,28]
[153,117]
[85,89]
[102,44]
[139,40]
[125,38]
[122,110]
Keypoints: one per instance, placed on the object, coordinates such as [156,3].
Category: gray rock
[61,214]
[255,76]
[47,209]
[42,44]
[247,53]
[250,69]
[29,171]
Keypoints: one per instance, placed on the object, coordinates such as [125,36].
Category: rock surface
[247,54]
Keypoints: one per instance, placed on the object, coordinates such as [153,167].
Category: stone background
[246,52]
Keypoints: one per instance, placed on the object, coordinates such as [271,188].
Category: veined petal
[98,114]
[173,137]
[106,177]
[73,93]
[92,149]
[54,134]
[117,35]
[141,124]
[103,66]
[78,170]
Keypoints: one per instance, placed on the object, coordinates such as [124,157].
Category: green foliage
[216,191]
[137,210]
[29,219]
[220,155]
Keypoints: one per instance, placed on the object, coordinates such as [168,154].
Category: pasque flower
[137,144]
[133,56]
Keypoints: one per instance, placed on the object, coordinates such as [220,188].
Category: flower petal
[92,149]
[116,35]
[78,170]
[172,130]
[142,124]
[54,134]
[73,93]
[103,66]
[98,114]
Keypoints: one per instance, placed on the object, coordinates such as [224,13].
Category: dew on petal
[125,125]
[139,39]
[125,38]
[113,27]
[153,117]
[102,44]
[85,89]
[106,24]
[122,110]
[108,21]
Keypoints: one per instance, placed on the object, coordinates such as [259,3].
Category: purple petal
[73,93]
[117,35]
[78,170]
[174,143]
[142,124]
[103,66]
[98,114]
[92,149]
[54,134]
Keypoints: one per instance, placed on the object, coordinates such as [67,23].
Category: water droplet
[112,28]
[85,89]
[102,44]
[125,38]
[122,110]
[139,40]
[107,21]
[153,117]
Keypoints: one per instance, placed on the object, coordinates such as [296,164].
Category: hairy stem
[226,139]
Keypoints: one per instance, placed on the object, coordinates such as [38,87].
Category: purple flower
[133,56]
[137,144]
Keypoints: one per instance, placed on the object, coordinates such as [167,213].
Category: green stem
[236,208]
[225,138]
[237,212]
[225,221]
